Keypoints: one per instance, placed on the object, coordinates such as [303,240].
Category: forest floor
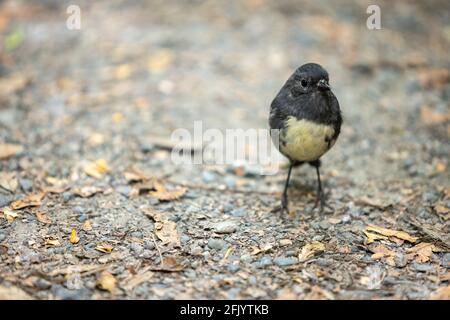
[92,207]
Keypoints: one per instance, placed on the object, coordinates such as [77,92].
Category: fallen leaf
[52,242]
[97,168]
[371,237]
[442,210]
[9,214]
[43,218]
[12,84]
[163,194]
[430,116]
[309,250]
[106,281]
[169,264]
[87,191]
[392,233]
[285,242]
[159,61]
[74,239]
[8,181]
[441,294]
[422,251]
[87,225]
[32,200]
[434,78]
[13,293]
[138,279]
[8,150]
[441,167]
[57,185]
[382,251]
[262,248]
[135,175]
[104,247]
[165,230]
[379,204]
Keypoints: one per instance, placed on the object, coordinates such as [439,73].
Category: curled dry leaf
[87,225]
[441,294]
[391,233]
[422,252]
[309,250]
[74,239]
[169,264]
[371,237]
[135,175]
[33,200]
[163,194]
[52,242]
[43,218]
[262,248]
[97,168]
[138,279]
[9,214]
[8,181]
[442,210]
[382,251]
[56,185]
[104,247]
[87,191]
[9,150]
[165,230]
[376,203]
[106,281]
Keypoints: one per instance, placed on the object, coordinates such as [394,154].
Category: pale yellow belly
[305,140]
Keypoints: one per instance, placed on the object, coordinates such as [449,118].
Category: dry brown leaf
[87,225]
[43,218]
[159,61]
[8,181]
[104,247]
[422,251]
[135,175]
[97,168]
[309,250]
[371,237]
[163,194]
[57,185]
[376,203]
[87,191]
[430,116]
[169,264]
[442,210]
[9,214]
[106,281]
[262,248]
[138,279]
[441,294]
[434,78]
[52,242]
[74,239]
[32,200]
[392,233]
[382,251]
[13,293]
[165,230]
[8,150]
[13,83]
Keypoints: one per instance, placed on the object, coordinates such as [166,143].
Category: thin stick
[157,248]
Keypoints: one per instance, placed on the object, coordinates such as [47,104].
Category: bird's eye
[304,83]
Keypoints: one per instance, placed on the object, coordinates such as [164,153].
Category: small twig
[208,188]
[157,248]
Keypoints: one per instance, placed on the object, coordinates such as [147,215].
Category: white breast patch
[304,140]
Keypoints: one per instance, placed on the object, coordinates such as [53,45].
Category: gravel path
[86,115]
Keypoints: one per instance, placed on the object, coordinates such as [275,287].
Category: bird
[305,121]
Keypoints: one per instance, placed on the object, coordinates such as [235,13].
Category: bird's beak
[323,85]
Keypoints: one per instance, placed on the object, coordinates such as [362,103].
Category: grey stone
[246,258]
[66,294]
[208,176]
[216,244]
[184,239]
[230,182]
[238,212]
[446,260]
[233,268]
[67,196]
[285,261]
[265,261]
[2,236]
[83,217]
[124,189]
[136,247]
[5,200]
[26,184]
[400,260]
[225,227]
[422,267]
[42,284]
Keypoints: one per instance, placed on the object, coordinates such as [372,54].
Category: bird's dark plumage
[308,117]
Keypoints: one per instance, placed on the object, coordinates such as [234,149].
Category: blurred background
[136,70]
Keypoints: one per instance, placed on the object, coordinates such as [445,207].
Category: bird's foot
[321,200]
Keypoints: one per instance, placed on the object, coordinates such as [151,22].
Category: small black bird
[308,118]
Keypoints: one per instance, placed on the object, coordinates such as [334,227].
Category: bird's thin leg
[320,197]
[284,200]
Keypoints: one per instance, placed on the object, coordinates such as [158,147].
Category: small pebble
[225,227]
[208,176]
[246,258]
[216,244]
[26,184]
[238,212]
[285,261]
[233,268]
[136,247]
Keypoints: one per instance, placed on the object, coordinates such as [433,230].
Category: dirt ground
[91,207]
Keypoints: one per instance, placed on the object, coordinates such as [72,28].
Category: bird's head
[309,78]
